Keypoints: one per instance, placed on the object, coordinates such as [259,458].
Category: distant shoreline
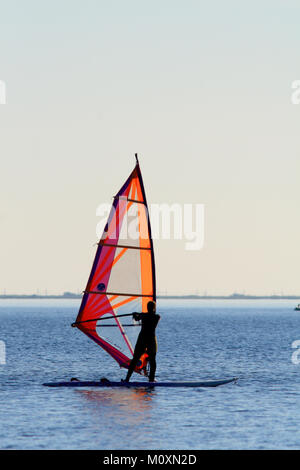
[68,295]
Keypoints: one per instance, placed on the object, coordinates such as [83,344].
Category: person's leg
[152,362]
[151,350]
[138,351]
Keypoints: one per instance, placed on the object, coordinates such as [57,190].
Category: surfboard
[107,383]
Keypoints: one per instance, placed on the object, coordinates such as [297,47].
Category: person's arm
[137,316]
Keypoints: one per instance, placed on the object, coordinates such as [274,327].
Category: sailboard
[121,282]
[122,279]
[107,383]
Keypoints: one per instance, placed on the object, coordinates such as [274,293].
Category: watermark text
[295,356]
[130,221]
[295,96]
[2,92]
[2,353]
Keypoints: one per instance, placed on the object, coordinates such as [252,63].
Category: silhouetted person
[146,340]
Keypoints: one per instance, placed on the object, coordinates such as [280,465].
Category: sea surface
[197,339]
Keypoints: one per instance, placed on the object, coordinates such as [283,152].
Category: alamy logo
[295,96]
[168,222]
[2,353]
[295,356]
[2,92]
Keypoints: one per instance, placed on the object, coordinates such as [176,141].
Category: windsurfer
[146,340]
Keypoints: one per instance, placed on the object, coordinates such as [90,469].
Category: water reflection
[129,406]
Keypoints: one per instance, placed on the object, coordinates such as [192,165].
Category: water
[197,340]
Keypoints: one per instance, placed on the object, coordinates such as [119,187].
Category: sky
[201,90]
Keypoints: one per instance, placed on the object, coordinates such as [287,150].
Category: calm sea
[196,340]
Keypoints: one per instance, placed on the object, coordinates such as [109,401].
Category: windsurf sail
[122,279]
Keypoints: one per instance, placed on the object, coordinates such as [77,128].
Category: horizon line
[237,296]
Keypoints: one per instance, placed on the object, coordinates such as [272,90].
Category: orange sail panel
[122,279]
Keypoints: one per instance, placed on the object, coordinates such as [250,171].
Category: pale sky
[201,90]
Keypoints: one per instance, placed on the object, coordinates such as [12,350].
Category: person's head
[151,306]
